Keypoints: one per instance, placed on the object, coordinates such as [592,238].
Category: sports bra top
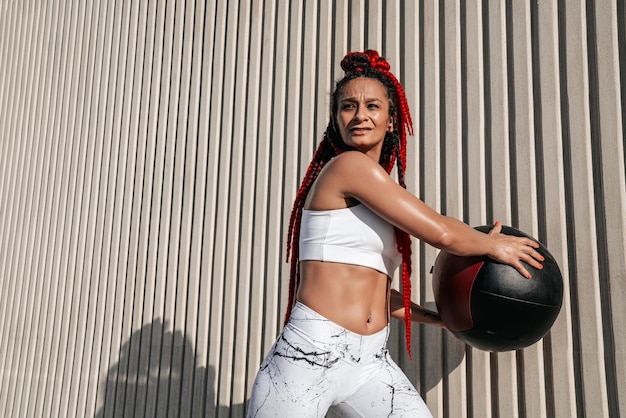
[353,235]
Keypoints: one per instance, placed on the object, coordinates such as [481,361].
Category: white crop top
[353,235]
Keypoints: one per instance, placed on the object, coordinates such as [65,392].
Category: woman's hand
[510,249]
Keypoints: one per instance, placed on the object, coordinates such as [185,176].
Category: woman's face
[363,115]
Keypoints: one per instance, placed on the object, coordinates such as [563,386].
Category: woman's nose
[360,113]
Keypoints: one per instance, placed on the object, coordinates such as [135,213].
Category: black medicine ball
[490,305]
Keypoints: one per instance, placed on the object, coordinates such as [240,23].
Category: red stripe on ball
[453,278]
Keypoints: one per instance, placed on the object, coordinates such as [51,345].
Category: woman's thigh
[385,391]
[294,380]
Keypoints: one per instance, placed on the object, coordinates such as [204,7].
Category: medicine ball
[490,305]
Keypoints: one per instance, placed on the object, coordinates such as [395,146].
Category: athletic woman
[349,231]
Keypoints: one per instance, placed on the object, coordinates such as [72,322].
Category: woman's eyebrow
[355,99]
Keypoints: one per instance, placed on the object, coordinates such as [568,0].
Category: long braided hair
[370,65]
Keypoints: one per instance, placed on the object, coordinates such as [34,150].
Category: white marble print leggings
[316,365]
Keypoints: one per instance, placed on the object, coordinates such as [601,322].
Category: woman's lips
[359,131]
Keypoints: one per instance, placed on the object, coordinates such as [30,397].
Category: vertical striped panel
[150,152]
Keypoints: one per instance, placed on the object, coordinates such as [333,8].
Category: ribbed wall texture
[150,152]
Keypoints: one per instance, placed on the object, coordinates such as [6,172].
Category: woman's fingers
[534,259]
[516,250]
[520,267]
[496,228]
[530,256]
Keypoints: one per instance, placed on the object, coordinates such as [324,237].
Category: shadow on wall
[157,376]
[439,354]
[453,353]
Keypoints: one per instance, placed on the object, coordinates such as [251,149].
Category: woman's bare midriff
[353,297]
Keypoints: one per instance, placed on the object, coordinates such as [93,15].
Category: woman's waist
[354,299]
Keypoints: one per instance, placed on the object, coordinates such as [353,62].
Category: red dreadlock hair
[370,65]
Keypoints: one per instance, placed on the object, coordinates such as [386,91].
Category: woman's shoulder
[352,155]
[353,161]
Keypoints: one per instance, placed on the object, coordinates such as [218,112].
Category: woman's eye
[372,106]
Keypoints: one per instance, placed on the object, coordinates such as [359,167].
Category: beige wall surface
[150,152]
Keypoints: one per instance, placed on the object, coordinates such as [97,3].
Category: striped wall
[150,152]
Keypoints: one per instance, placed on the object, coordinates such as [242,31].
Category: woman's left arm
[418,313]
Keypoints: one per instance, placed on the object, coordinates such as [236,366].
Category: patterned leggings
[316,365]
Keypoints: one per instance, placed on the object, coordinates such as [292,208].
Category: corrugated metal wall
[150,152]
